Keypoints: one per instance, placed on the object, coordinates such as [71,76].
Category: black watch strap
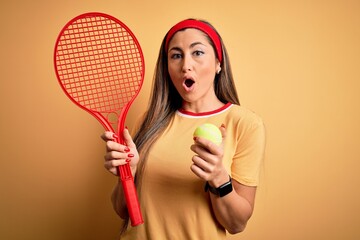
[221,191]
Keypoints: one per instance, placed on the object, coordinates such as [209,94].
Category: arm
[116,155]
[118,201]
[235,209]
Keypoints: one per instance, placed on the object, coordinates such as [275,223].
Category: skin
[191,56]
[117,155]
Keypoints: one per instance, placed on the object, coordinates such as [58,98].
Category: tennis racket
[100,66]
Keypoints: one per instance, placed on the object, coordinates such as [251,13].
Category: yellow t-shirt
[173,201]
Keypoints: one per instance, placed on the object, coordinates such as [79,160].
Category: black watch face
[225,189]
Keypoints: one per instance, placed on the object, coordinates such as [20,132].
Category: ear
[218,67]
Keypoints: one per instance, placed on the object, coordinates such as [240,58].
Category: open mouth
[189,83]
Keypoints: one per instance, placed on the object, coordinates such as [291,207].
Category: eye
[175,56]
[198,53]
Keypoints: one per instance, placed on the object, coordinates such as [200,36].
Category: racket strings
[99,64]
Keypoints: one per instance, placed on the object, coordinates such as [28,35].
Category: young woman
[191,188]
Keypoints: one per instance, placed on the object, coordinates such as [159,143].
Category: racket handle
[130,193]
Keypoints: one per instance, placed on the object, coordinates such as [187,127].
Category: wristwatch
[221,191]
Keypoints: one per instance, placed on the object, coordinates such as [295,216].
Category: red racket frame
[126,177]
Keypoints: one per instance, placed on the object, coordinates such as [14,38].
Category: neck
[202,106]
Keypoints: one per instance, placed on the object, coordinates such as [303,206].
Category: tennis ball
[210,132]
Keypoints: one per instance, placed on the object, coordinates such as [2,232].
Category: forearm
[118,200]
[233,210]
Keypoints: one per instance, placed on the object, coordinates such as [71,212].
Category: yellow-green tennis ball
[210,132]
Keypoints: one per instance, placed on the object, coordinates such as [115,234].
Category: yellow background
[296,64]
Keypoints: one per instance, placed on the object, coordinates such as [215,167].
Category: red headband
[191,23]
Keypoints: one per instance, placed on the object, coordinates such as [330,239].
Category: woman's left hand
[207,163]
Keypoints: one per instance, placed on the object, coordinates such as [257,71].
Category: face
[192,65]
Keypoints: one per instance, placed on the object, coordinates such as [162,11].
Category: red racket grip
[132,201]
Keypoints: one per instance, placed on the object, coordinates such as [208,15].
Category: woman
[193,84]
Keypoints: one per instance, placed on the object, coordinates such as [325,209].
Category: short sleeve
[249,153]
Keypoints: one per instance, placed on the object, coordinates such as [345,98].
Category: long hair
[165,101]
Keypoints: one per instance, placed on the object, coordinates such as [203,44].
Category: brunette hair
[165,101]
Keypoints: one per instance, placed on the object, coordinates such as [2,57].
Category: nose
[187,63]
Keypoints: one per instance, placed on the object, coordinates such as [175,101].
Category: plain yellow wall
[296,64]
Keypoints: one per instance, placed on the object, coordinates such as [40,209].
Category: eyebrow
[191,46]
[196,43]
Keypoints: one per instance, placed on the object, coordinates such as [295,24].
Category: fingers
[118,154]
[199,172]
[204,145]
[116,151]
[223,132]
[209,145]
[213,157]
[207,163]
[114,159]
[202,165]
[112,166]
[128,139]
[108,136]
[114,146]
[206,170]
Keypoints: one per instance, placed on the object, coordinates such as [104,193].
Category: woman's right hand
[118,154]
